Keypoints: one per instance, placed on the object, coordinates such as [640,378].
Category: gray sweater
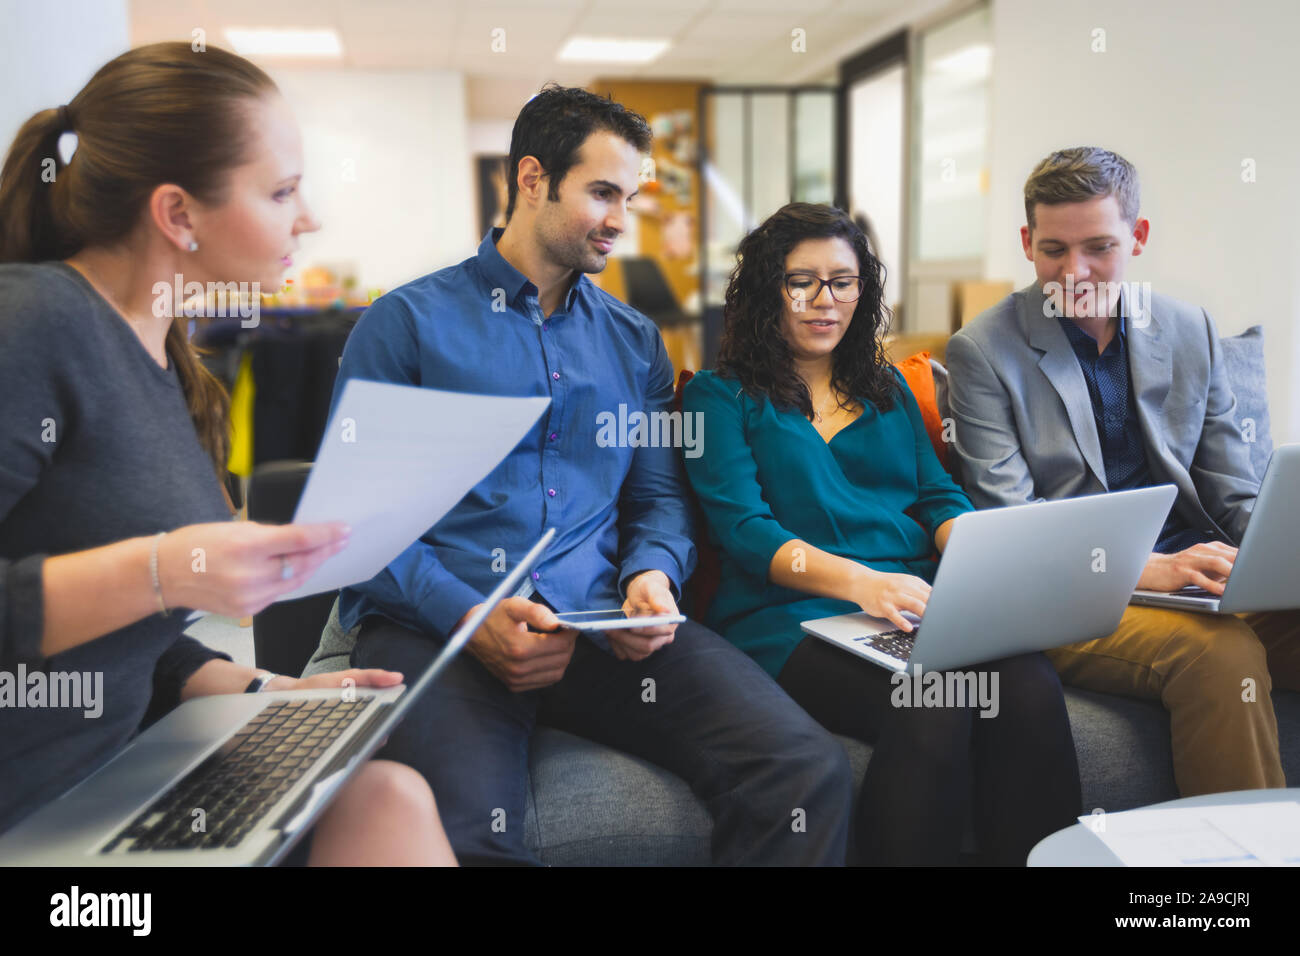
[96,445]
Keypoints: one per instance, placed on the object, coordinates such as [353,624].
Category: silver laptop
[1266,574]
[230,779]
[1019,579]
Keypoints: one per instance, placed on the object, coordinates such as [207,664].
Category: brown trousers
[1213,673]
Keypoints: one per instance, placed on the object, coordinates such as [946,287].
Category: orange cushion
[919,376]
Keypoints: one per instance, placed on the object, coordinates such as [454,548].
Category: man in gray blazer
[1084,383]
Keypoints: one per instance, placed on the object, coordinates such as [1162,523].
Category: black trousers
[1015,773]
[778,786]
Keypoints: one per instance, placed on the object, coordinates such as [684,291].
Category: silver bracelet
[153,571]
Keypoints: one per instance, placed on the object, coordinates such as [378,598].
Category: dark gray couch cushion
[1244,360]
[590,805]
[1123,749]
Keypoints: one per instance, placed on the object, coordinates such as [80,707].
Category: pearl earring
[194,246]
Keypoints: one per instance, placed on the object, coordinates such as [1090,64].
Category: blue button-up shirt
[612,490]
[1114,408]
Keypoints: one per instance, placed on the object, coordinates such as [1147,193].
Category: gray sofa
[589,804]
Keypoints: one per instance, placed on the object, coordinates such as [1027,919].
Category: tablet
[614,620]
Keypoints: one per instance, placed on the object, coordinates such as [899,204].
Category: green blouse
[875,493]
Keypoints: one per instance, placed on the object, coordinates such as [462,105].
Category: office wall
[876,174]
[50,50]
[490,136]
[650,234]
[387,170]
[1187,92]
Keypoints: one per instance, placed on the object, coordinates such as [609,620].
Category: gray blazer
[1024,425]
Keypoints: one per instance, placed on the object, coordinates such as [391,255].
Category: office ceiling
[717,40]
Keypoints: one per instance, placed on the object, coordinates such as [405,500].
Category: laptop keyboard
[238,784]
[897,644]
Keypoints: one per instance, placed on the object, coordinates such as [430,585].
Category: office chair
[648,292]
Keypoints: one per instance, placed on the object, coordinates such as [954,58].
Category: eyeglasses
[802,287]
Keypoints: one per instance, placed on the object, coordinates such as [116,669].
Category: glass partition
[950,146]
[763,147]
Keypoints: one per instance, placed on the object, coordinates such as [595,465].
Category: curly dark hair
[753,349]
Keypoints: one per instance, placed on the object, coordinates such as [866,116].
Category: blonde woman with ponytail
[113,436]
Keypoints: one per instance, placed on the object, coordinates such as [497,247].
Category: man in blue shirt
[520,318]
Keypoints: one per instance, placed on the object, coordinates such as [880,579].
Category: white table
[1079,846]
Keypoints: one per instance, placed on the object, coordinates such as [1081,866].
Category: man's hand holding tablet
[522,644]
[647,594]
[527,646]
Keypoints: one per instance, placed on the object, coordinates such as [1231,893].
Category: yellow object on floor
[241,419]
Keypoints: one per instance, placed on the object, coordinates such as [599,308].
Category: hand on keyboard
[890,595]
[1203,565]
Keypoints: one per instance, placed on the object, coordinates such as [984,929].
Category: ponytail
[32,174]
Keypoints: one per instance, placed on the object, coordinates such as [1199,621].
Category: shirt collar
[500,274]
[1081,340]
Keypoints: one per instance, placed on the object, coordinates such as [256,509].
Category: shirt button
[537,575]
[551,492]
[555,375]
[546,326]
[554,435]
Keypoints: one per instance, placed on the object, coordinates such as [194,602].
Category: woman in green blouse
[824,496]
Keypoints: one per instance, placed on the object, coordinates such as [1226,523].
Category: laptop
[1266,573]
[1018,579]
[230,779]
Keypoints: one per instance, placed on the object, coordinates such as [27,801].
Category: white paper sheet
[1242,834]
[394,460]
